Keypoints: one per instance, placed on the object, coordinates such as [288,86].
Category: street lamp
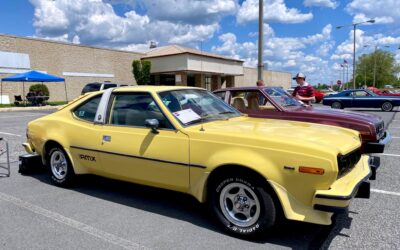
[354,45]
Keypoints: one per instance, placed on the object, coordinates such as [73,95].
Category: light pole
[354,45]
[260,39]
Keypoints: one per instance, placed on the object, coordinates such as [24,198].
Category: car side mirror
[153,124]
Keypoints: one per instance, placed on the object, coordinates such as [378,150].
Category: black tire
[337,105]
[66,175]
[387,106]
[264,213]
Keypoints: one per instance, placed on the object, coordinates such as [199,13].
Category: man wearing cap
[304,91]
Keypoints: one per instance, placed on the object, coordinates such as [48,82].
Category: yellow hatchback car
[188,140]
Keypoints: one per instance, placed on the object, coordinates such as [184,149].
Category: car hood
[287,135]
[340,114]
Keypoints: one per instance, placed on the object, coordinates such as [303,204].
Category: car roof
[246,88]
[153,88]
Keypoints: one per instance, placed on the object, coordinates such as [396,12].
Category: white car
[96,86]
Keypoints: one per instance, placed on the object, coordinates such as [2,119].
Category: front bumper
[353,185]
[378,146]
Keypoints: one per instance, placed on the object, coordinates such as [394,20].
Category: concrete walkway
[12,109]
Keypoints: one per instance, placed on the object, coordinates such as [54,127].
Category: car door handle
[106,138]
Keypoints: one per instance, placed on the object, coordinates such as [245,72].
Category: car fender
[229,157]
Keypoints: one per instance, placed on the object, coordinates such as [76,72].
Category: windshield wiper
[226,112]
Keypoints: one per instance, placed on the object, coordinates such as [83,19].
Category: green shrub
[141,71]
[36,88]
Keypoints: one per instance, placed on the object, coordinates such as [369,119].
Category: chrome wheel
[59,165]
[336,105]
[239,204]
[387,106]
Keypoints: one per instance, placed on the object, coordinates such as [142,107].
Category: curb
[12,109]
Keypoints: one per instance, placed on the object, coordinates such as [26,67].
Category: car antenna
[201,122]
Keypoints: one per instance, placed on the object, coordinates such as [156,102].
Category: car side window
[221,95]
[360,93]
[87,110]
[248,100]
[133,109]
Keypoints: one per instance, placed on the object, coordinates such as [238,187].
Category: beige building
[79,65]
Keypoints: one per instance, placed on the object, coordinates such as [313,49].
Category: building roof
[177,49]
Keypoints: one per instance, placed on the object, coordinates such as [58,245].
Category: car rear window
[87,110]
[91,87]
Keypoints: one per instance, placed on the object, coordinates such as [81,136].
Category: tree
[384,65]
[141,71]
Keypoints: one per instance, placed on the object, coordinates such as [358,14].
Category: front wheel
[242,205]
[60,167]
[387,106]
[336,105]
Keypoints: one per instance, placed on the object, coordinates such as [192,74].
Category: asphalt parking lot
[105,214]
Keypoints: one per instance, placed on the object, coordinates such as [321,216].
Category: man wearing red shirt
[304,91]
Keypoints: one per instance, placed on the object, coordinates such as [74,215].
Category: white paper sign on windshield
[186,115]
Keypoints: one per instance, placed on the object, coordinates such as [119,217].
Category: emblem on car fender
[87,157]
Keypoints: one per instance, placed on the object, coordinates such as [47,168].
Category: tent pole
[23,92]
[1,91]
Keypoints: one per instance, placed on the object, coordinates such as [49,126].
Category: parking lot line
[390,155]
[111,238]
[4,133]
[384,192]
[20,116]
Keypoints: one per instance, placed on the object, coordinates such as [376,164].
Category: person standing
[304,91]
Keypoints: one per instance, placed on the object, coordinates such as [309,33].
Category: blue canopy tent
[33,76]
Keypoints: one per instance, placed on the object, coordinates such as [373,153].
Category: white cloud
[283,53]
[95,22]
[384,11]
[274,11]
[321,3]
[189,11]
[364,43]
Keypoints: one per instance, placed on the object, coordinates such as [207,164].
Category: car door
[361,99]
[131,151]
[84,134]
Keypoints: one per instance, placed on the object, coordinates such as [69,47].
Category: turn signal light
[309,170]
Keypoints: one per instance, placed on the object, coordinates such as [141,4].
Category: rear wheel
[387,106]
[336,105]
[242,205]
[60,167]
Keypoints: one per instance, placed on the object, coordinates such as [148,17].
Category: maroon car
[276,103]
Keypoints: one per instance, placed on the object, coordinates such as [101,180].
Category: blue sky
[299,35]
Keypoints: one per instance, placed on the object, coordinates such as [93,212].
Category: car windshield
[192,106]
[281,97]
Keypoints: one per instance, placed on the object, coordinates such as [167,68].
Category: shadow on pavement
[293,234]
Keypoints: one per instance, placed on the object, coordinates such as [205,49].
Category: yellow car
[188,140]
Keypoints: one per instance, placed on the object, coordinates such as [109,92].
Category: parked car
[275,103]
[361,98]
[385,92]
[188,140]
[96,86]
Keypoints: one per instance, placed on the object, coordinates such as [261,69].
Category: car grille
[380,129]
[347,162]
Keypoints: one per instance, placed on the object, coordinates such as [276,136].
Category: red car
[384,92]
[318,96]
[276,103]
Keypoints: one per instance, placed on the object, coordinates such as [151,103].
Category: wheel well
[47,147]
[244,171]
